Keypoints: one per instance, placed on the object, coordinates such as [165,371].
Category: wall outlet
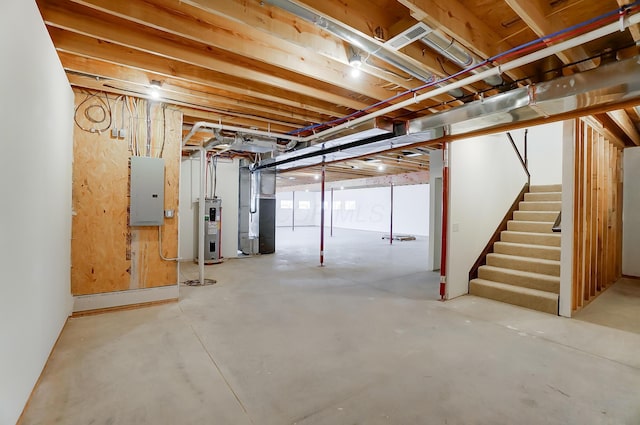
[122,133]
[114,133]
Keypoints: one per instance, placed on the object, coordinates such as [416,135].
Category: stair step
[530,226]
[527,250]
[515,262]
[525,297]
[546,188]
[543,196]
[541,282]
[535,216]
[540,206]
[546,239]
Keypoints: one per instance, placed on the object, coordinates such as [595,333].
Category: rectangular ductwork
[606,85]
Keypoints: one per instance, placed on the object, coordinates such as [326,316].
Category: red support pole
[445,219]
[322,218]
[331,212]
[391,219]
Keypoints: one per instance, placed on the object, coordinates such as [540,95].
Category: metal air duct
[608,84]
[359,41]
[443,45]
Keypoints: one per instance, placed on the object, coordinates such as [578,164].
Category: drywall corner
[630,216]
[566,253]
[36,115]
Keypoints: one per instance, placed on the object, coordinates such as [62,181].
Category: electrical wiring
[164,128]
[540,42]
[103,106]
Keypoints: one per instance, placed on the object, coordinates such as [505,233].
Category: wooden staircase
[524,268]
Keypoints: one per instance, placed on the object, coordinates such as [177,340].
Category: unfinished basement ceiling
[284,65]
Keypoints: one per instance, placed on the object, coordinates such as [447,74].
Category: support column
[331,212]
[391,218]
[322,217]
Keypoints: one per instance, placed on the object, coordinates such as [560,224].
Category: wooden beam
[622,120]
[535,14]
[458,21]
[188,22]
[228,118]
[277,23]
[65,15]
[114,54]
[210,90]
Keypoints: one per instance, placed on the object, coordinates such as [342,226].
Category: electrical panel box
[147,191]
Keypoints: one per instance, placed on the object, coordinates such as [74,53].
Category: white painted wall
[371,213]
[411,209]
[630,213]
[485,178]
[302,216]
[226,189]
[36,117]
[372,209]
[544,152]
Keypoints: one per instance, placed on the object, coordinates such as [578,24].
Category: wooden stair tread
[528,245]
[525,259]
[519,289]
[523,273]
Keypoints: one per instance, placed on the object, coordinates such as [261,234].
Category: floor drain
[196,282]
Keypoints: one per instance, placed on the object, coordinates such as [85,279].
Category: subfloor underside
[363,340]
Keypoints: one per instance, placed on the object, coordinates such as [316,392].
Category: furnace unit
[212,228]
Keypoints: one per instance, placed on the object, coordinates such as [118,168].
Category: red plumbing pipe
[445,217]
[322,218]
[391,219]
[331,212]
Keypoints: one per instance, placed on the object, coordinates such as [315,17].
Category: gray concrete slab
[363,340]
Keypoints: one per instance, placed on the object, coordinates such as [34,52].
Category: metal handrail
[557,225]
[523,161]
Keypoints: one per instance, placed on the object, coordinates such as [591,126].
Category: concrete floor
[279,340]
[618,307]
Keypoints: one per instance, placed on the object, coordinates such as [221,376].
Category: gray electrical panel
[147,191]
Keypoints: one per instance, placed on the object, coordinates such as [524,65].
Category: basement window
[304,205]
[337,205]
[350,205]
[286,204]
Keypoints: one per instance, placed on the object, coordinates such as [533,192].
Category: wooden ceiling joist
[535,13]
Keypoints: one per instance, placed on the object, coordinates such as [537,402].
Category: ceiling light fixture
[381,167]
[154,90]
[317,177]
[355,61]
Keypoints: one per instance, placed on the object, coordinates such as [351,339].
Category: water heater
[212,230]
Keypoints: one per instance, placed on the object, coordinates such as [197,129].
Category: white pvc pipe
[201,227]
[621,25]
[525,60]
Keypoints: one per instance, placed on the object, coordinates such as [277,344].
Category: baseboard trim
[110,300]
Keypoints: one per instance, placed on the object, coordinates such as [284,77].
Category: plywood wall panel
[108,255]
